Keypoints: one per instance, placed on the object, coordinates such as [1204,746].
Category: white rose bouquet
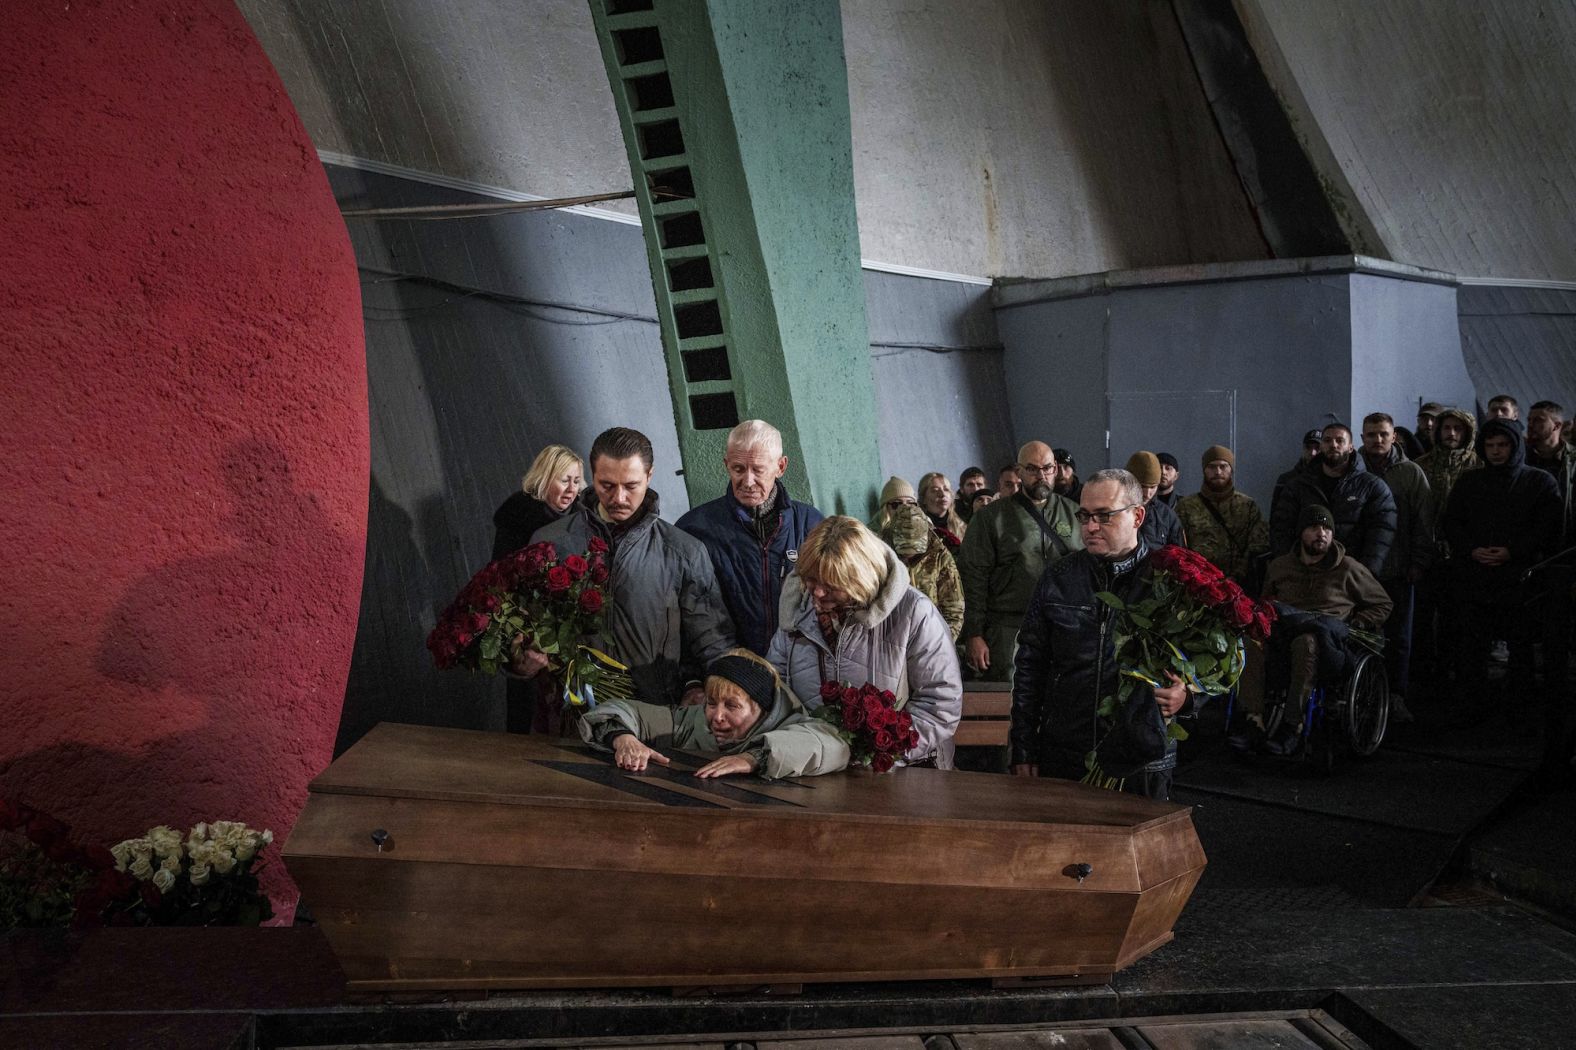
[203,879]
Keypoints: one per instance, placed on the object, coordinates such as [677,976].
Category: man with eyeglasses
[1009,544]
[1066,660]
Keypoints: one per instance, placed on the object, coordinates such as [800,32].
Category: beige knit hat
[896,488]
[1145,466]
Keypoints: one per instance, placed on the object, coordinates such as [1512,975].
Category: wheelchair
[1349,717]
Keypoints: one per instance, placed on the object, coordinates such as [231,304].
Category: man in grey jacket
[666,619]
[1411,552]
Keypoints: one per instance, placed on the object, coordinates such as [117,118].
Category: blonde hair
[842,553]
[955,523]
[548,464]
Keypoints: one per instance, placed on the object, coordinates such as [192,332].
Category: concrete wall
[939,377]
[1521,342]
[1252,359]
[999,137]
[1453,122]
[488,338]
[1406,348]
[1019,137]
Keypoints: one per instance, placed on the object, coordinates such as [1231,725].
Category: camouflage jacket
[936,576]
[1233,541]
[1443,467]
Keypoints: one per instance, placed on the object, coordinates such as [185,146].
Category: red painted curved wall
[183,391]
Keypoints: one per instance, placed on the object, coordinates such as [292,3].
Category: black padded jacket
[1066,662]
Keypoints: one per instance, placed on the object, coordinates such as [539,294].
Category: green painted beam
[735,117]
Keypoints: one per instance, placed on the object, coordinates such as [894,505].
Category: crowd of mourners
[1455,540]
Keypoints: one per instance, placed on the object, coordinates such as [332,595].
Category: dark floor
[1421,898]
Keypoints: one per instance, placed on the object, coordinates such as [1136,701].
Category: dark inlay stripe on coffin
[747,791]
[615,778]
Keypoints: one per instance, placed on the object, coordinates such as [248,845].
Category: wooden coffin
[519,862]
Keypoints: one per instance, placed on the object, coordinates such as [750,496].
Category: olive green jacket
[785,742]
[1233,542]
[1004,554]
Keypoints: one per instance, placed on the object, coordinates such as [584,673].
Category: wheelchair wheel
[1366,706]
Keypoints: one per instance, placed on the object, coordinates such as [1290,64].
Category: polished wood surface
[513,861]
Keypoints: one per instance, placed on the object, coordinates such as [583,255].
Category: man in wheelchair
[1322,593]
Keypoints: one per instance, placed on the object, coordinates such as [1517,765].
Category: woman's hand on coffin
[726,766]
[632,755]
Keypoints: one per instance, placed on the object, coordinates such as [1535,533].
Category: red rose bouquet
[1194,624]
[47,879]
[533,598]
[878,734]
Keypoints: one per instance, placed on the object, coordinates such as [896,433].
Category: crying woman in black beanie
[749,718]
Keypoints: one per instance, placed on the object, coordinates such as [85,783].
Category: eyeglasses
[1101,517]
[1038,469]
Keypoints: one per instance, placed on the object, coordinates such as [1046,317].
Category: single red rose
[830,691]
[558,580]
[599,573]
[890,697]
[462,638]
[151,897]
[477,622]
[597,545]
[576,565]
[591,600]
[883,739]
[1218,592]
[853,716]
[112,884]
[1242,610]
[882,763]
[850,695]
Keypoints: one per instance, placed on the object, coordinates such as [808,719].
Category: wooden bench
[987,715]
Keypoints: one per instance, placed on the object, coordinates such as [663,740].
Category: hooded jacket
[898,642]
[1413,549]
[1066,663]
[784,741]
[1513,506]
[667,619]
[1335,585]
[1443,466]
[1363,507]
[934,572]
[750,563]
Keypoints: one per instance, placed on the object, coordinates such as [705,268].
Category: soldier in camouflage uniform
[1452,455]
[931,567]
[1221,523]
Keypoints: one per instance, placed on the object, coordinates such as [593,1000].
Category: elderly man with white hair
[753,530]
